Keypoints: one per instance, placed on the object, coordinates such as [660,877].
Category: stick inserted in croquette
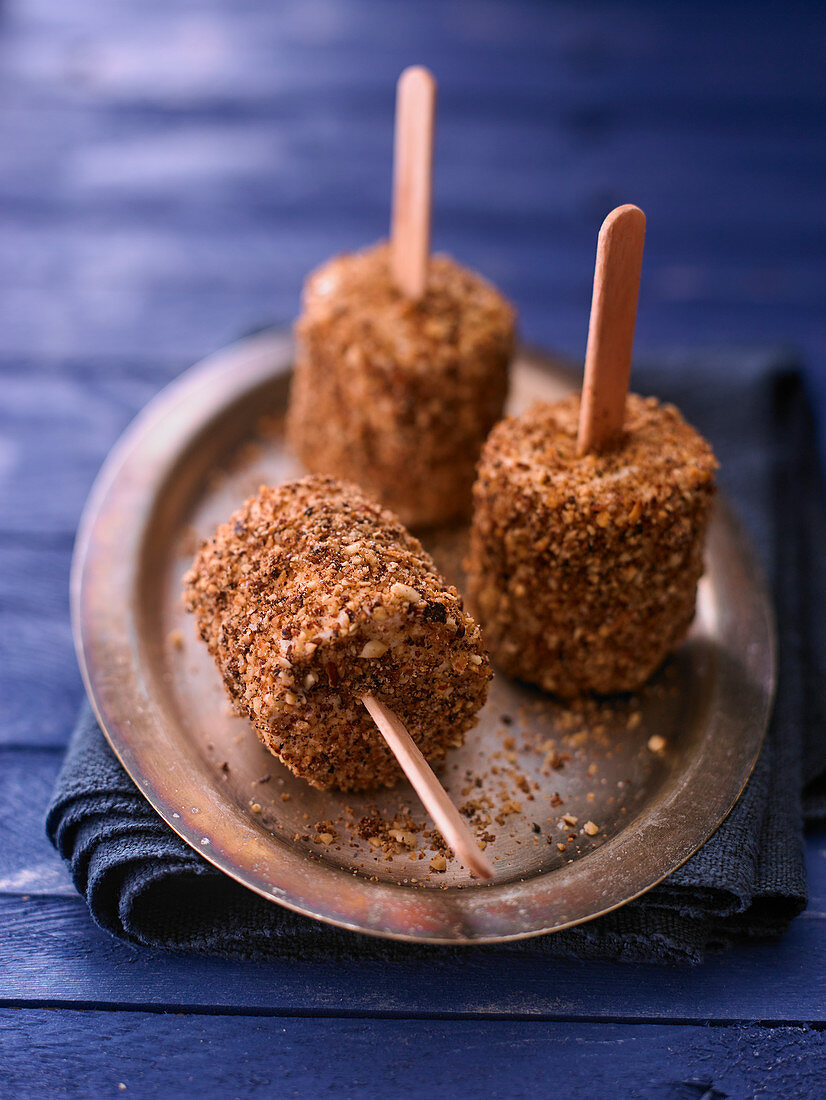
[402,358]
[590,514]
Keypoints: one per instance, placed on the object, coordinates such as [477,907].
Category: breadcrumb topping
[312,596]
[395,395]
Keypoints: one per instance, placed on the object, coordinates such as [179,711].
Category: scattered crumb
[391,837]
[176,640]
[495,792]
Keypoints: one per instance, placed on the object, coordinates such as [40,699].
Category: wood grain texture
[153,162]
[170,173]
[611,328]
[141,1056]
[51,954]
[28,862]
[413,180]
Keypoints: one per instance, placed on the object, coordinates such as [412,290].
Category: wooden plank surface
[51,955]
[135,1055]
[171,171]
[189,165]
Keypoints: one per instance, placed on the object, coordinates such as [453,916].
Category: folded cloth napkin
[145,885]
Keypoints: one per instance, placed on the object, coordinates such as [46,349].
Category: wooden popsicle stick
[413,180]
[434,797]
[611,328]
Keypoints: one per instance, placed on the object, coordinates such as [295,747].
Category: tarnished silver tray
[651,777]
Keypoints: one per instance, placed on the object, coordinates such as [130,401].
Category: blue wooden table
[170,171]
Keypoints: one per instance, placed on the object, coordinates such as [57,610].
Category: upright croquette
[395,395]
[583,570]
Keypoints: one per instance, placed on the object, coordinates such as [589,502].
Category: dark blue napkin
[143,884]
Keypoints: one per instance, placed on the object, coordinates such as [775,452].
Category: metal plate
[187,461]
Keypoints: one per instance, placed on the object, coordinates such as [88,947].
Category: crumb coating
[312,596]
[583,570]
[395,395]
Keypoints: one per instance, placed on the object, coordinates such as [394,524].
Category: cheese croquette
[399,396]
[583,570]
[312,596]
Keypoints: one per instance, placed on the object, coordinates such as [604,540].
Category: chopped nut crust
[583,571]
[394,395]
[311,596]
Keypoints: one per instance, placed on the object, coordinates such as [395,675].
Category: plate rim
[200,376]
